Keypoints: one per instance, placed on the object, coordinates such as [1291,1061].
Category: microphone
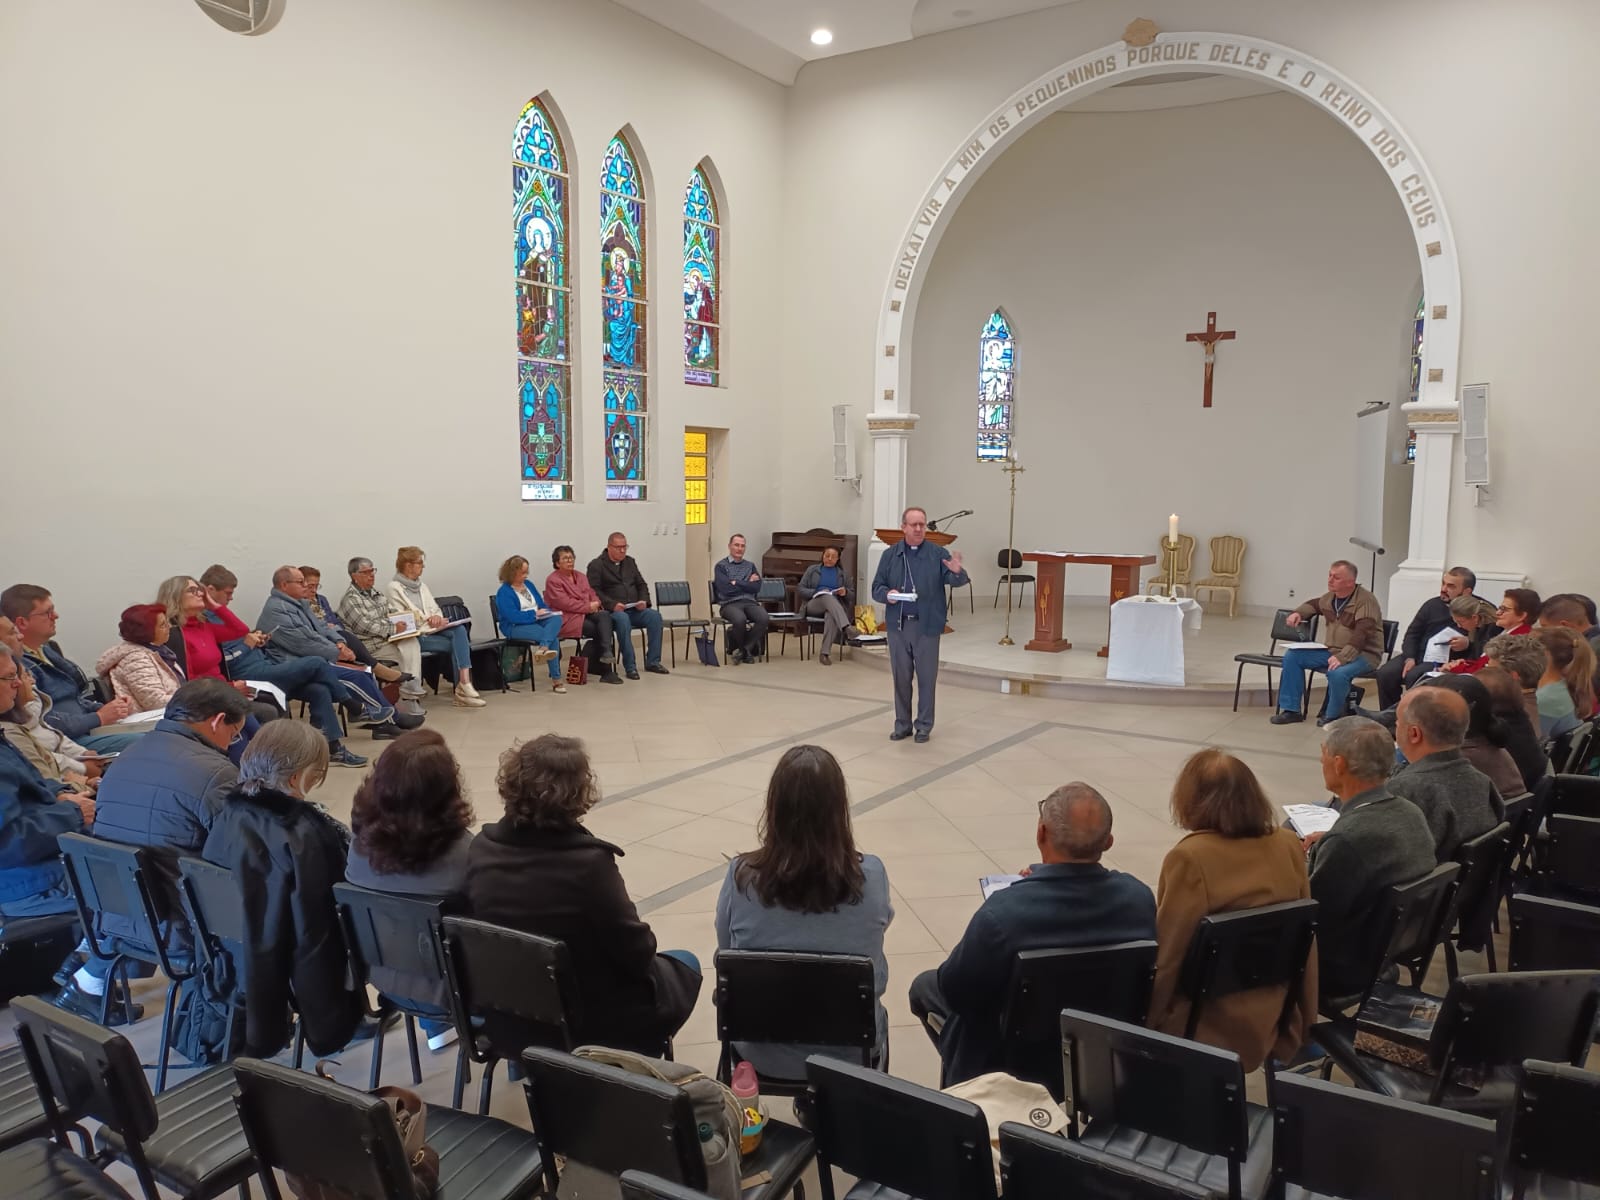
[933,526]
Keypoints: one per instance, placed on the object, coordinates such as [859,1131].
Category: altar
[1050,591]
[1147,638]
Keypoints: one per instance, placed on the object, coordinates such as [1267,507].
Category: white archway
[1434,414]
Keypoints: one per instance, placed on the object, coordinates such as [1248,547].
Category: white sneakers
[467,696]
[544,654]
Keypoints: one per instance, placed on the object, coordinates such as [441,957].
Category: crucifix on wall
[1209,339]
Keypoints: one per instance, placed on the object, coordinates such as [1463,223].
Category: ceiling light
[821,37]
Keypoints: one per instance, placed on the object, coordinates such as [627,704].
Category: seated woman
[1487,735]
[1522,736]
[140,666]
[408,594]
[824,591]
[1566,689]
[525,616]
[569,592]
[413,827]
[286,855]
[539,870]
[807,888]
[53,754]
[197,634]
[1515,617]
[1233,856]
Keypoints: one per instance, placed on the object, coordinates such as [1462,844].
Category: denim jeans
[546,633]
[452,642]
[109,743]
[304,678]
[647,619]
[57,898]
[1291,687]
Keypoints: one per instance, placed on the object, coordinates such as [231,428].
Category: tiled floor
[684,759]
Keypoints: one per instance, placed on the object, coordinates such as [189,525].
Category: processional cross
[1210,338]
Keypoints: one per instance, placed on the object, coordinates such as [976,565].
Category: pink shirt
[569,593]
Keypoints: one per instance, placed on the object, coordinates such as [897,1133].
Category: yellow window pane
[694,468]
[694,489]
[694,443]
[694,514]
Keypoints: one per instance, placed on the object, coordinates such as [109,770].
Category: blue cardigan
[509,609]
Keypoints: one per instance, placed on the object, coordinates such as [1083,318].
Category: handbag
[410,1121]
[1006,1098]
[578,669]
[866,619]
[708,649]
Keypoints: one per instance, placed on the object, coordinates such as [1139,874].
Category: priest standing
[910,585]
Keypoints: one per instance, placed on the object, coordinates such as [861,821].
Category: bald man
[1458,799]
[1067,899]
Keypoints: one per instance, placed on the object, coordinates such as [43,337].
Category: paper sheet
[1306,819]
[990,884]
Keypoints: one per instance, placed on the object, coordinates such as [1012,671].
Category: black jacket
[1057,907]
[1433,616]
[286,857]
[565,884]
[617,582]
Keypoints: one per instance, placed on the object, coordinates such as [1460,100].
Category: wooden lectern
[893,537]
[1049,592]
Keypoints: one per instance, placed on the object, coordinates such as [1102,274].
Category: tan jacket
[1207,873]
[1356,629]
[140,674]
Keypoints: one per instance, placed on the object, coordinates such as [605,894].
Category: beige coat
[1207,873]
[140,674]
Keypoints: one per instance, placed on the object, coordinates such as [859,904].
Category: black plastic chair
[1391,634]
[1112,981]
[641,1185]
[1567,863]
[394,940]
[793,999]
[1553,1133]
[784,619]
[522,646]
[1035,1165]
[1553,935]
[1570,750]
[1336,1141]
[109,879]
[1272,660]
[1165,1103]
[1487,1024]
[357,1150]
[186,1138]
[1477,896]
[1244,950]
[611,1121]
[674,593]
[31,948]
[42,1170]
[1008,561]
[508,990]
[897,1137]
[22,1116]
[211,903]
[455,608]
[1574,796]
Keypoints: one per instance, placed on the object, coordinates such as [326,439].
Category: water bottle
[746,1090]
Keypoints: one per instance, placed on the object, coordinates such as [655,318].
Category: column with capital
[891,435]
[1416,579]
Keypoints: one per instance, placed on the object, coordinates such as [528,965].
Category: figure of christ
[622,331]
[697,306]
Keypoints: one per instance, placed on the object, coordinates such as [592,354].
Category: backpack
[199,1030]
[715,1109]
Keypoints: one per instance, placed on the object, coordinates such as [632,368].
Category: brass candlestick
[1169,564]
[1012,468]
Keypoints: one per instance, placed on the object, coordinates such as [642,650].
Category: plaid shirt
[367,615]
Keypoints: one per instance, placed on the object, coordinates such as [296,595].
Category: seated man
[734,586]
[73,708]
[1067,900]
[322,609]
[622,590]
[1352,635]
[1405,668]
[163,794]
[1457,799]
[295,630]
[33,810]
[364,611]
[1378,841]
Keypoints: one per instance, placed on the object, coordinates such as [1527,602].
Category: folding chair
[1412,923]
[1553,1147]
[1553,935]
[1035,1165]
[674,593]
[781,997]
[1272,660]
[1244,950]
[1478,896]
[522,646]
[42,1170]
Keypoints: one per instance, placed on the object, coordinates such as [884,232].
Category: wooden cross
[1210,338]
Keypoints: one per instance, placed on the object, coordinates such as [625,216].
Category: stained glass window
[544,364]
[624,321]
[694,477]
[996,378]
[702,282]
[1414,387]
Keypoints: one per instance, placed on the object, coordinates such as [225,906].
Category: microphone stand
[1012,468]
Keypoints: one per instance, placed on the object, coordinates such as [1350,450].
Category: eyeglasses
[11,678]
[194,591]
[47,614]
[619,545]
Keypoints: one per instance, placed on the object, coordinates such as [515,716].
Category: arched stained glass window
[996,379]
[624,316]
[702,282]
[544,362]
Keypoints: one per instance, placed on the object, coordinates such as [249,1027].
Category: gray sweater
[1457,799]
[744,923]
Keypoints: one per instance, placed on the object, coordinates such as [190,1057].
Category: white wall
[257,302]
[1489,93]
[1108,236]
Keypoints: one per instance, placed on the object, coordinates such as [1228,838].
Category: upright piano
[791,553]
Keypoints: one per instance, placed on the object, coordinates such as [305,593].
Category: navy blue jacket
[1057,907]
[73,707]
[928,572]
[731,580]
[30,819]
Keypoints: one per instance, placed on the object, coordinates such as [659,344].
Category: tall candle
[1172,528]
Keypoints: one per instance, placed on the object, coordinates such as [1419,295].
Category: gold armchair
[1227,565]
[1158,583]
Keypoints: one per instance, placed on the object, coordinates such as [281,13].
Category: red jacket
[203,639]
[1471,666]
[570,595]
